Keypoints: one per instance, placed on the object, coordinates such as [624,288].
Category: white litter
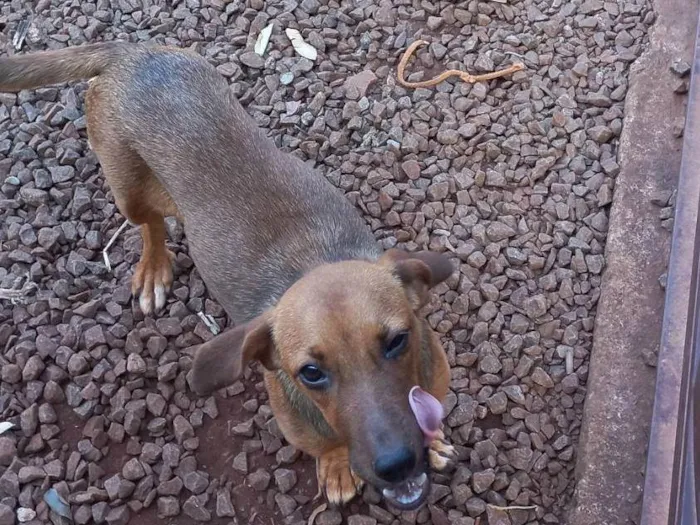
[105,252]
[208,320]
[21,33]
[25,514]
[301,47]
[263,40]
[5,426]
[569,361]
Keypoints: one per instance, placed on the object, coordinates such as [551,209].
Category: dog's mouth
[409,494]
[412,493]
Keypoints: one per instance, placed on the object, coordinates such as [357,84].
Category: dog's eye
[313,377]
[396,345]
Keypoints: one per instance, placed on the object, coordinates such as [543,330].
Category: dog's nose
[395,465]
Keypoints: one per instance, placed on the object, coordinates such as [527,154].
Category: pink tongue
[428,412]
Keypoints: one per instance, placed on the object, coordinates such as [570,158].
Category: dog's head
[348,337]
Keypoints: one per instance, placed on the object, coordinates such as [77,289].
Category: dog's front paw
[152,279]
[335,477]
[441,453]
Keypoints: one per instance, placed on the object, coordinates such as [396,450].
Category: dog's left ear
[418,272]
[219,362]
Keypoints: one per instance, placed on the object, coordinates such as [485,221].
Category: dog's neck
[307,411]
[293,262]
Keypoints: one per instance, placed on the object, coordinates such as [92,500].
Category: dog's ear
[418,272]
[219,362]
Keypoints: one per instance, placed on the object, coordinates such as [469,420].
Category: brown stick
[466,77]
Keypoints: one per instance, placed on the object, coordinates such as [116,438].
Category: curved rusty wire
[463,75]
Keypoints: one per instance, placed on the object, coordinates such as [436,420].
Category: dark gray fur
[256,218]
[260,218]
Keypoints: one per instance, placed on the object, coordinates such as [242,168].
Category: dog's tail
[56,67]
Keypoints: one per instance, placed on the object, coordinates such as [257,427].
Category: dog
[354,373]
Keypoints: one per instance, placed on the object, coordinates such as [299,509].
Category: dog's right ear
[219,362]
[418,272]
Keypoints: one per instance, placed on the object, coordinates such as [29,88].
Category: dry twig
[318,510]
[513,507]
[463,75]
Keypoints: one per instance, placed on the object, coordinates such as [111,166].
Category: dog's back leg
[140,197]
[143,201]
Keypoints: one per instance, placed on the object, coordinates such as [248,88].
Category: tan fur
[138,193]
[301,324]
[286,255]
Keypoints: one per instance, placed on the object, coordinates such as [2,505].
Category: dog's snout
[395,465]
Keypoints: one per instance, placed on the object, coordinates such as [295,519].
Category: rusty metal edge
[670,482]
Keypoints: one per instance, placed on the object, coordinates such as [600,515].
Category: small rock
[168,507]
[252,60]
[7,516]
[497,516]
[482,481]
[536,306]
[196,482]
[194,508]
[33,369]
[285,479]
[182,428]
[650,357]
[61,174]
[8,450]
[259,480]
[286,504]
[467,130]
[329,517]
[99,511]
[118,516]
[357,85]
[661,198]
[601,134]
[135,364]
[680,68]
[497,231]
[224,506]
[497,403]
[359,519]
[542,378]
[286,78]
[434,23]
[133,470]
[30,473]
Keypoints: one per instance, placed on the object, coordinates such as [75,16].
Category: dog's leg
[440,453]
[153,275]
[145,203]
[141,198]
[335,477]
[139,195]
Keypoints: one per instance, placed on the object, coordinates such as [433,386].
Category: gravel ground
[515,177]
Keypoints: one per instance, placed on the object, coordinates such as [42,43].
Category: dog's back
[256,218]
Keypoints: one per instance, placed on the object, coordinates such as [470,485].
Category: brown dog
[350,365]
